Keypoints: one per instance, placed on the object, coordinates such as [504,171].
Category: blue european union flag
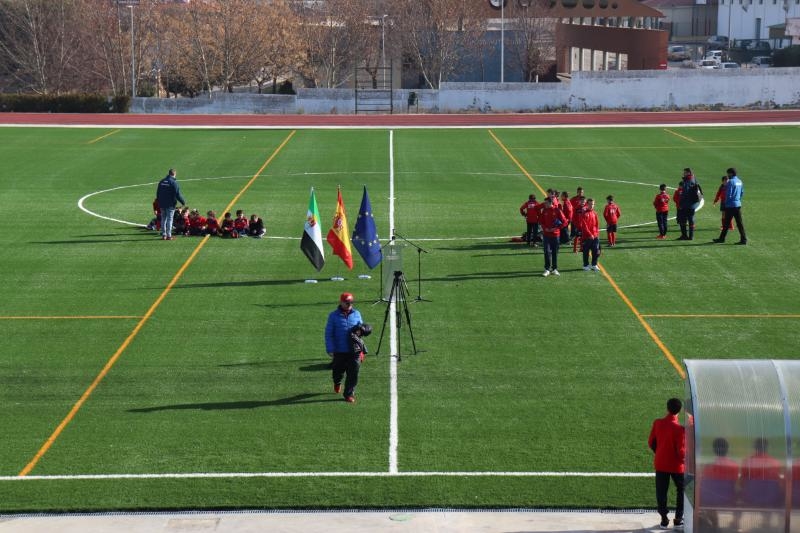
[365,236]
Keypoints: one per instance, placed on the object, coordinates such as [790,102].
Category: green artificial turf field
[191,374]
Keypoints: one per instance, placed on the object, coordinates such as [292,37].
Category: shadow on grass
[222,406]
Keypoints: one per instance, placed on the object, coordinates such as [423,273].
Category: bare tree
[281,54]
[39,42]
[439,35]
[531,43]
[328,30]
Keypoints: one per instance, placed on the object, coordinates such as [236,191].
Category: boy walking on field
[611,213]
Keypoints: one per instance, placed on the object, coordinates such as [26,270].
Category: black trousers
[590,246]
[349,365]
[733,213]
[686,222]
[662,487]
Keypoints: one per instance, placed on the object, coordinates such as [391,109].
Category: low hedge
[66,103]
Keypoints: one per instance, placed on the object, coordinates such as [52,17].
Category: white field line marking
[82,207]
[244,475]
[83,199]
[393,341]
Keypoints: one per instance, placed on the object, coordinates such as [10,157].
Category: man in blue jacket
[339,345]
[734,190]
[168,194]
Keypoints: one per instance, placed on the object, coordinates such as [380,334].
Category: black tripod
[420,251]
[398,295]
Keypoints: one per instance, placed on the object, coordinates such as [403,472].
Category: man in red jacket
[551,220]
[668,441]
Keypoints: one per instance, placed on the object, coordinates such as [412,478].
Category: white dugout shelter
[742,446]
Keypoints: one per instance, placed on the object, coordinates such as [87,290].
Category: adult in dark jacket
[691,194]
[168,194]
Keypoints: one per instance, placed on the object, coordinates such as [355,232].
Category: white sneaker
[546,273]
[596,268]
[555,272]
[587,268]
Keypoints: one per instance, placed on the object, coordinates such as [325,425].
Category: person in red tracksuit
[668,441]
[212,224]
[611,213]
[531,213]
[551,220]
[661,203]
[589,229]
[566,208]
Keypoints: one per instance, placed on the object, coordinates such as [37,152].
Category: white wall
[625,90]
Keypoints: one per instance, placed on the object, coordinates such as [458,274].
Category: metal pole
[133,59]
[730,9]
[383,48]
[502,41]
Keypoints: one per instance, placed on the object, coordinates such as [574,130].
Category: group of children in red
[568,218]
[573,209]
[190,222]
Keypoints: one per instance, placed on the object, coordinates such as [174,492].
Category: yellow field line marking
[88,392]
[643,322]
[519,165]
[722,316]
[88,317]
[103,137]
[621,294]
[260,170]
[676,134]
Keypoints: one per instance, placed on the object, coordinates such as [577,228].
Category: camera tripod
[399,295]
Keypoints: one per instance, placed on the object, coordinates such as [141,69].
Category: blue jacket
[337,330]
[168,193]
[734,191]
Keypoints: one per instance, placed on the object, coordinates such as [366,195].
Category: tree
[329,35]
[281,54]
[531,43]
[439,36]
[38,41]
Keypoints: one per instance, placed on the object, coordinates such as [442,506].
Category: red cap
[346,297]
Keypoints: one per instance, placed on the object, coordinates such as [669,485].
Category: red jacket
[529,211]
[566,208]
[661,202]
[668,440]
[551,221]
[588,225]
[611,213]
[762,466]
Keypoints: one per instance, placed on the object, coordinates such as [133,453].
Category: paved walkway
[337,522]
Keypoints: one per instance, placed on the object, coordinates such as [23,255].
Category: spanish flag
[311,243]
[339,235]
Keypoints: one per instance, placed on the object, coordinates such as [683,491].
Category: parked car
[678,52]
[744,44]
[717,42]
[729,64]
[708,63]
[761,61]
[716,55]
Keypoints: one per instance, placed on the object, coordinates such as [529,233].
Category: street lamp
[383,48]
[133,57]
[502,41]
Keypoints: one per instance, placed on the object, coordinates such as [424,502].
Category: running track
[395,121]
